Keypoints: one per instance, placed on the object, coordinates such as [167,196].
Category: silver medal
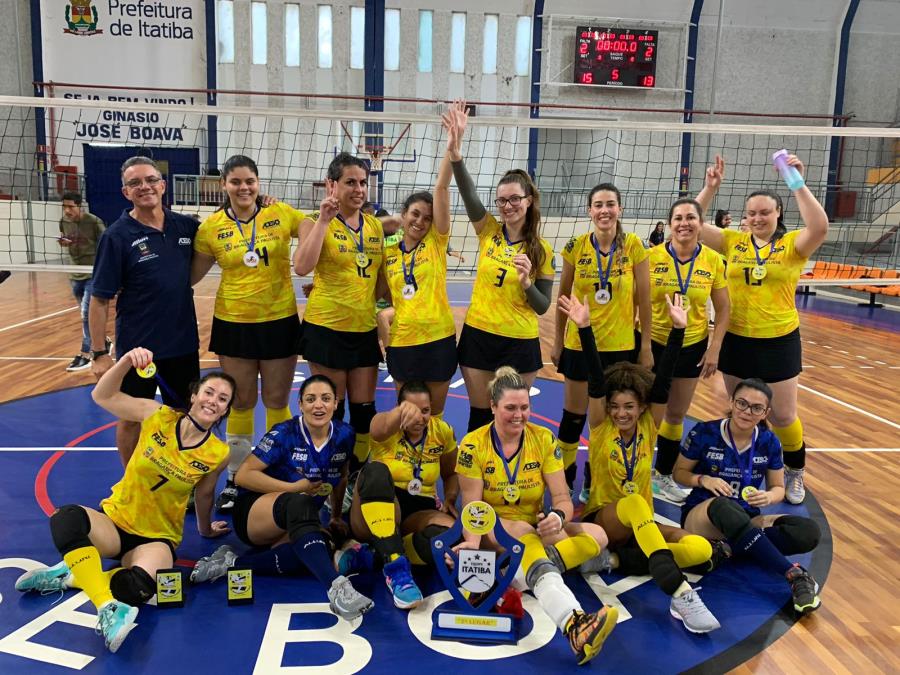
[251,259]
[602,296]
[414,487]
[409,292]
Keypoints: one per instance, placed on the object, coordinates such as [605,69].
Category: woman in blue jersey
[726,461]
[283,484]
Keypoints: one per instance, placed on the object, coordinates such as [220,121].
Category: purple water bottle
[791,176]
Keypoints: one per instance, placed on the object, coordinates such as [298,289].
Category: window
[489,45]
[458,42]
[258,29]
[324,36]
[392,39]
[425,18]
[357,37]
[523,45]
[291,35]
[225,29]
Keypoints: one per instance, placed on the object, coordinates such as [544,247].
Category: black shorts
[178,373]
[486,351]
[130,541]
[276,339]
[240,515]
[573,365]
[340,350]
[431,362]
[410,504]
[770,359]
[688,358]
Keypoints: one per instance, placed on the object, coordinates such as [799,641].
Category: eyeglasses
[513,201]
[151,181]
[755,408]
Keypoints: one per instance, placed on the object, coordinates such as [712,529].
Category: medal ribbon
[409,278]
[506,238]
[683,285]
[251,245]
[418,450]
[313,453]
[629,467]
[498,448]
[360,248]
[746,472]
[762,261]
[603,278]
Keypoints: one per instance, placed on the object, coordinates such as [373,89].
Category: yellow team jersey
[401,458]
[498,303]
[343,294]
[708,274]
[613,323]
[608,468]
[151,497]
[426,316]
[762,308]
[538,457]
[252,294]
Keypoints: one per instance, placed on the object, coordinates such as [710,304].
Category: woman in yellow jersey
[141,522]
[343,247]
[396,505]
[685,267]
[609,266]
[626,406]
[763,338]
[255,330]
[510,463]
[513,284]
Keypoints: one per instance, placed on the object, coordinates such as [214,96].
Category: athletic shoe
[599,563]
[114,622]
[584,495]
[212,567]
[354,557]
[693,613]
[804,590]
[46,579]
[398,577]
[665,486]
[588,632]
[794,490]
[346,601]
[382,366]
[78,363]
[225,500]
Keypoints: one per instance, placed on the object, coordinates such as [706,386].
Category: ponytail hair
[531,231]
[506,378]
[780,227]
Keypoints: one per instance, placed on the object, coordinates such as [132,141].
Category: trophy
[479,573]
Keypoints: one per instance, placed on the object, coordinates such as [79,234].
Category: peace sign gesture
[329,207]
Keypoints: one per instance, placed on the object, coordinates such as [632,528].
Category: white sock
[239,446]
[555,598]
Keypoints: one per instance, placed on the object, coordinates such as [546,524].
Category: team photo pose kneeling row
[632,387]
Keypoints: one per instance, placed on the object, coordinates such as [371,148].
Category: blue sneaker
[398,577]
[46,579]
[115,621]
[354,557]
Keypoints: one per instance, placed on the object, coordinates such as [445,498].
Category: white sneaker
[693,613]
[666,486]
[794,490]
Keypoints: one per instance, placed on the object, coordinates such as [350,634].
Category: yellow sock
[411,553]
[634,512]
[108,574]
[569,452]
[671,431]
[361,447]
[578,549]
[86,568]
[240,422]
[791,436]
[534,550]
[691,550]
[379,516]
[276,415]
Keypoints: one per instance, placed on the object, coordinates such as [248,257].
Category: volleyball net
[50,148]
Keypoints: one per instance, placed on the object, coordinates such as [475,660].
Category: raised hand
[715,174]
[580,313]
[330,206]
[676,311]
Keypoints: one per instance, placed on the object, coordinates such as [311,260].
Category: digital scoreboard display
[618,57]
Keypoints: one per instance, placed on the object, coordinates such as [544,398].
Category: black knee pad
[132,585]
[731,520]
[339,411]
[296,514]
[375,484]
[361,415]
[478,417]
[570,426]
[666,454]
[70,527]
[664,571]
[632,560]
[797,534]
[421,541]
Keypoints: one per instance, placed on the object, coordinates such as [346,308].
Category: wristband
[562,516]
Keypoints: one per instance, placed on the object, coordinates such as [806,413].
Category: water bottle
[791,176]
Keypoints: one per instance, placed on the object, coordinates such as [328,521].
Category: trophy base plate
[470,627]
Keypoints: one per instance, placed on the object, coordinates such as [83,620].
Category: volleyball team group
[632,388]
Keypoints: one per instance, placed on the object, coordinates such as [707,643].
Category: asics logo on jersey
[200,465]
[703,273]
[531,465]
[272,223]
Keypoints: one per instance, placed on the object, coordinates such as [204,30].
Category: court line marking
[40,318]
[848,405]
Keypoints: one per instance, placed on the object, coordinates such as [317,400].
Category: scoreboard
[617,57]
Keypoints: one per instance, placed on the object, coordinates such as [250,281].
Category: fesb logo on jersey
[81,17]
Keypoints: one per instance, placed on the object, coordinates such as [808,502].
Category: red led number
[648,81]
[615,74]
[587,78]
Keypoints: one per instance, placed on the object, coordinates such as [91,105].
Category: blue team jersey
[708,444]
[289,454]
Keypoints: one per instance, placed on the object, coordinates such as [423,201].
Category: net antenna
[374,143]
